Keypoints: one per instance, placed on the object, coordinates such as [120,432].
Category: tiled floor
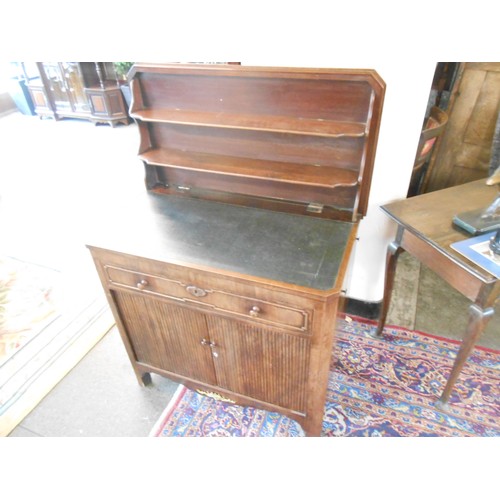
[55,178]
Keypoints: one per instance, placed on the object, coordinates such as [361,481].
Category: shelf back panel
[296,98]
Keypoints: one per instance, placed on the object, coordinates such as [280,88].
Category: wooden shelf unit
[282,125]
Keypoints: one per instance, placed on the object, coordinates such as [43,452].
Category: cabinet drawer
[241,306]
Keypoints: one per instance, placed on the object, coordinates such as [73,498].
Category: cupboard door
[261,363]
[166,336]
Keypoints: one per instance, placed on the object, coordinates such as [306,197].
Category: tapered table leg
[478,319]
[393,252]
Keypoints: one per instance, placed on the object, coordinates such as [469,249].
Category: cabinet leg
[144,378]
[312,427]
[478,319]
[393,252]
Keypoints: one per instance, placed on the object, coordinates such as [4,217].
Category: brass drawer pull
[142,284]
[254,312]
[195,291]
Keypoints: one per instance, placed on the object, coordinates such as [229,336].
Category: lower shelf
[303,174]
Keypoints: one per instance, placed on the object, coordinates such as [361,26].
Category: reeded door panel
[265,364]
[167,336]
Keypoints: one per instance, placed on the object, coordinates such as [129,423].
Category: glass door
[73,79]
[57,86]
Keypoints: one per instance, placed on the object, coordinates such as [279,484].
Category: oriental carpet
[376,387]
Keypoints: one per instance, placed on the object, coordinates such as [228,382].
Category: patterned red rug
[377,387]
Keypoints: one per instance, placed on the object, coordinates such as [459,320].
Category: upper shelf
[283,124]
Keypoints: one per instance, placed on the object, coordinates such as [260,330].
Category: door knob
[254,312]
[142,284]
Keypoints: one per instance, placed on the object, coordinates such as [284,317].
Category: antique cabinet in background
[87,90]
[227,274]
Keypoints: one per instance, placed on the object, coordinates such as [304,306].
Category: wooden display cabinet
[228,276]
[86,90]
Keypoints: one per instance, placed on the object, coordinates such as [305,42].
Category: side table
[426,231]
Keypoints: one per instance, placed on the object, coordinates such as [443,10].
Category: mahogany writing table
[426,231]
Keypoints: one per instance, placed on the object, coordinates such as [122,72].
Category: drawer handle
[255,311]
[142,284]
[197,292]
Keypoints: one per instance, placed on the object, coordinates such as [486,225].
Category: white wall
[408,85]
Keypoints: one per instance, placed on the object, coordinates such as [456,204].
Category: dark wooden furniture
[464,151]
[425,230]
[228,276]
[87,90]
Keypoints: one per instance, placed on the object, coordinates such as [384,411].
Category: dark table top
[292,249]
